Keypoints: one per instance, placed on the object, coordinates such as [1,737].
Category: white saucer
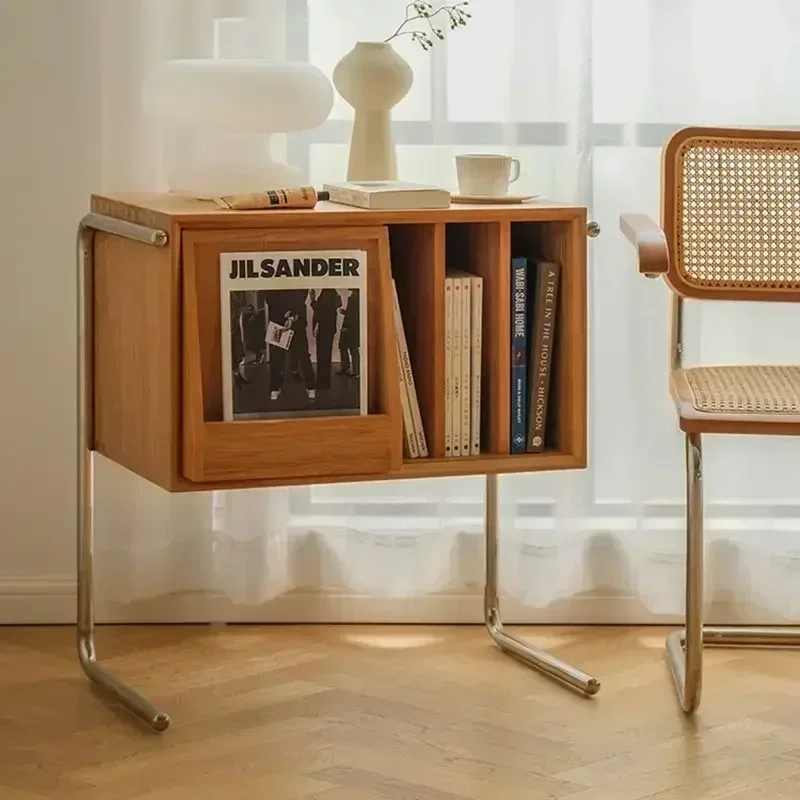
[505,199]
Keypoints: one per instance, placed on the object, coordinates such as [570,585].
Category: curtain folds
[584,92]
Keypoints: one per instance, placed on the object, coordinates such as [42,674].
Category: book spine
[476,331]
[543,330]
[455,410]
[417,428]
[448,367]
[519,356]
[350,197]
[466,364]
[411,449]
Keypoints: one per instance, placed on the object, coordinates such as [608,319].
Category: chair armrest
[650,243]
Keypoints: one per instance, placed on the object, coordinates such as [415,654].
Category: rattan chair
[730,231]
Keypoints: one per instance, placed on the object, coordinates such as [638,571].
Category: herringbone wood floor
[344,713]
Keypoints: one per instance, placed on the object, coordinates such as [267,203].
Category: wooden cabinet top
[166,210]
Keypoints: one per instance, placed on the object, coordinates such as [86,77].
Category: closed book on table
[388,195]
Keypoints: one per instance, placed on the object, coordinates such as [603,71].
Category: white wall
[70,72]
[48,137]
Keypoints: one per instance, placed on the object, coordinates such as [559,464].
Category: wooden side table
[150,375]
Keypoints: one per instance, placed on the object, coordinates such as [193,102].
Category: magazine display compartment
[292,449]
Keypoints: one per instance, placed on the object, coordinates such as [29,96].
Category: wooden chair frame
[659,256]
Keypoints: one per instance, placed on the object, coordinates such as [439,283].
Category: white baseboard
[51,601]
[37,601]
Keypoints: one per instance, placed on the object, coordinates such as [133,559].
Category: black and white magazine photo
[294,334]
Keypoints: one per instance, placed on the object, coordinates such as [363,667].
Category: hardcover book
[410,448]
[476,334]
[294,333]
[455,368]
[417,443]
[466,362]
[388,195]
[448,367]
[519,354]
[544,277]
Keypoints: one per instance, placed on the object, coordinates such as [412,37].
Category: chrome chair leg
[685,648]
[129,698]
[538,659]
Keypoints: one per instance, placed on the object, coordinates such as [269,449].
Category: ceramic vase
[372,78]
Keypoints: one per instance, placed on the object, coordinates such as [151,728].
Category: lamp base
[226,164]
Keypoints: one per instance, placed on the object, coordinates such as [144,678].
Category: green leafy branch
[420,22]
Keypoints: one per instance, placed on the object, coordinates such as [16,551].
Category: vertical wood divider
[387,390]
[418,267]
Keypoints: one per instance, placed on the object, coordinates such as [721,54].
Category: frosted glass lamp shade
[229,108]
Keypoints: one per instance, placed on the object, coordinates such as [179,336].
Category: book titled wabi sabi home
[294,328]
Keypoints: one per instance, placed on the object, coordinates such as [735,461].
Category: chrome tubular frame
[533,657]
[687,670]
[87,654]
[685,648]
[676,332]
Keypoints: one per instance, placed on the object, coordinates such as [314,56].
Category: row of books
[534,302]
[463,312]
[463,319]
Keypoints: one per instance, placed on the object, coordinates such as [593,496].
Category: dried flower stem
[421,10]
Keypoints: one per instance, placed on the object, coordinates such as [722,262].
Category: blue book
[519,354]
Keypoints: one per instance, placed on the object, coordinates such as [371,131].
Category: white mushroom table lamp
[228,108]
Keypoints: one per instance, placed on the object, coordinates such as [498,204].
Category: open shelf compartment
[421,254]
[563,242]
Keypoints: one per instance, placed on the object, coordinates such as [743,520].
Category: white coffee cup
[486,174]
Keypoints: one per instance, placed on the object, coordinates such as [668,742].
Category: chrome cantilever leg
[687,667]
[87,654]
[533,657]
[685,648]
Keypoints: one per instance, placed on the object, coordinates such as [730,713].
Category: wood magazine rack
[151,375]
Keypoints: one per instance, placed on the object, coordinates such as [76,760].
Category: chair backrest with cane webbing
[731,213]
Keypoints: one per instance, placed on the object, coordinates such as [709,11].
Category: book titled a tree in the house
[544,280]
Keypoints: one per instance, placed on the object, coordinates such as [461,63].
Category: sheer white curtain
[584,92]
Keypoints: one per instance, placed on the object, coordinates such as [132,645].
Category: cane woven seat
[762,393]
[760,390]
